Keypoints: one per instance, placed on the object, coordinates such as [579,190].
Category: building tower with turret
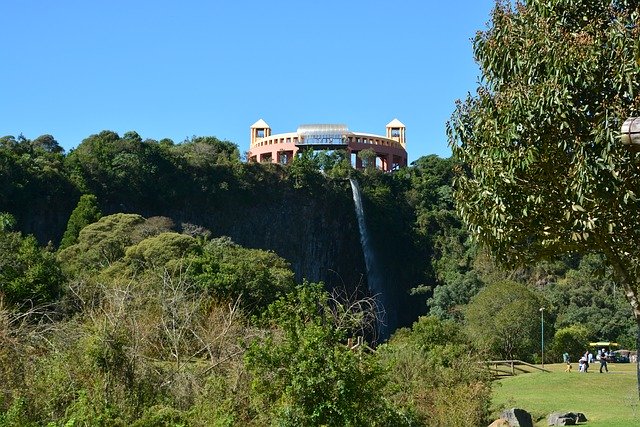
[390,150]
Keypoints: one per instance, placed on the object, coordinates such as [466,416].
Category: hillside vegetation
[172,284]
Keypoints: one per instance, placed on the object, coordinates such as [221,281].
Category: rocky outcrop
[517,417]
[566,418]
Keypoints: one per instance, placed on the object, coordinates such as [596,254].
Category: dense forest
[146,282]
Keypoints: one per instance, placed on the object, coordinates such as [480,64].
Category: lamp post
[542,333]
[630,137]
[630,133]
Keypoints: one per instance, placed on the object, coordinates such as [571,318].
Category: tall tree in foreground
[543,169]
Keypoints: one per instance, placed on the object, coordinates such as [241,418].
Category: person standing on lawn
[603,361]
[586,361]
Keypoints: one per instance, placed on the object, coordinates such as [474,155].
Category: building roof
[323,129]
[260,124]
[395,123]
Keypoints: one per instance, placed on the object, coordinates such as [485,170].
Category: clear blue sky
[174,69]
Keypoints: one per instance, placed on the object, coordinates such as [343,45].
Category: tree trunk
[629,282]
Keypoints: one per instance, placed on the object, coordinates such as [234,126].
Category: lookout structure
[390,150]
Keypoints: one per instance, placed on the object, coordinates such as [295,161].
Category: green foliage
[572,339]
[16,415]
[457,284]
[304,376]
[29,275]
[433,375]
[161,416]
[85,213]
[100,244]
[335,164]
[164,250]
[542,169]
[304,169]
[588,296]
[449,273]
[33,181]
[125,171]
[7,222]
[368,157]
[440,342]
[230,272]
[430,192]
[206,151]
[503,321]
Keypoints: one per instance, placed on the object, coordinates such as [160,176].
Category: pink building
[281,148]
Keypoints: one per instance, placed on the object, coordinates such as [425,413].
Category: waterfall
[375,278]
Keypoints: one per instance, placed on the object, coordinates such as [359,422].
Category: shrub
[433,376]
[572,339]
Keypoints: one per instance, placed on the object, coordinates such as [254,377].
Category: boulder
[566,418]
[517,417]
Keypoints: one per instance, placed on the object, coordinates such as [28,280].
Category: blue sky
[175,69]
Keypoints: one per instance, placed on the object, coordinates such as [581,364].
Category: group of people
[587,359]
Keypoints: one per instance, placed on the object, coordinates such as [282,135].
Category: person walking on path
[603,361]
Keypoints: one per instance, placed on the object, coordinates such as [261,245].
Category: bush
[572,339]
[100,244]
[302,375]
[29,275]
[230,272]
[433,377]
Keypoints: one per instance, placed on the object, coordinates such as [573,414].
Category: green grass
[605,399]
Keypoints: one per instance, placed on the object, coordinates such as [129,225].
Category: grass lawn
[605,399]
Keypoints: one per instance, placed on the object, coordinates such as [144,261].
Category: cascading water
[375,278]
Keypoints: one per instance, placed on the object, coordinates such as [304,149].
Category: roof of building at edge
[325,128]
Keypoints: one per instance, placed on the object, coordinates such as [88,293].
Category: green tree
[451,279]
[31,178]
[571,339]
[543,171]
[335,164]
[588,296]
[503,320]
[304,169]
[100,244]
[205,151]
[231,272]
[7,222]
[125,171]
[28,274]
[433,372]
[368,157]
[164,250]
[303,375]
[85,213]
[47,144]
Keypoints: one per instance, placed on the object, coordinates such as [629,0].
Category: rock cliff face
[316,232]
[313,226]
